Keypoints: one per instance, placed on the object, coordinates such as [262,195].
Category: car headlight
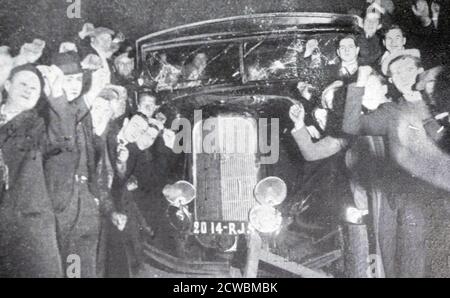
[271,191]
[354,215]
[180,193]
[265,219]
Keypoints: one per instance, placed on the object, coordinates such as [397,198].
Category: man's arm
[416,153]
[355,123]
[324,148]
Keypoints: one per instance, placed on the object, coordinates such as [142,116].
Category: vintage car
[247,203]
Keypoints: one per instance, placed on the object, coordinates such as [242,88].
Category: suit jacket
[404,125]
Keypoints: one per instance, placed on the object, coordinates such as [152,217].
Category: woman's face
[24,90]
[72,86]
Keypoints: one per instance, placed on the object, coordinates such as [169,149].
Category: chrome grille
[225,179]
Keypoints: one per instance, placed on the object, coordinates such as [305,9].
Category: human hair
[146,93]
[392,27]
[348,36]
[383,80]
[42,106]
[417,61]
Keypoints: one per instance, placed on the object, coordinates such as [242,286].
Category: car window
[297,57]
[192,66]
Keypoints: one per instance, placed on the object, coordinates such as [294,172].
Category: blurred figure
[101,44]
[195,70]
[370,41]
[6,65]
[407,257]
[427,31]
[125,74]
[140,145]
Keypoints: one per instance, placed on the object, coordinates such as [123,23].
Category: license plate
[219,228]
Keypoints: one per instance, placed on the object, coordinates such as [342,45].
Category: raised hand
[53,77]
[169,138]
[30,52]
[421,9]
[91,62]
[435,8]
[297,115]
[122,153]
[66,46]
[119,220]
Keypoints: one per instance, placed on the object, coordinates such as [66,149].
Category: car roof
[250,25]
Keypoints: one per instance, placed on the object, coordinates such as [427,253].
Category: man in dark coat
[143,167]
[72,174]
[28,244]
[404,254]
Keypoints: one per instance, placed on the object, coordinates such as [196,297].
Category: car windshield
[296,57]
[192,66]
[299,57]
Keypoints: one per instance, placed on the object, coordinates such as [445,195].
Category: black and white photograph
[237,140]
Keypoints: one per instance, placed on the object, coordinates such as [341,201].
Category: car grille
[225,179]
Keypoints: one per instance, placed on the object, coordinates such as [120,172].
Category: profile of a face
[147,139]
[147,105]
[72,86]
[24,90]
[321,117]
[119,107]
[103,42]
[404,73]
[348,51]
[394,40]
[101,114]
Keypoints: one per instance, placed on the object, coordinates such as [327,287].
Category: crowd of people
[72,140]
[397,94]
[77,151]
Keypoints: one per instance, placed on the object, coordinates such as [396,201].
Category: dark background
[23,20]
